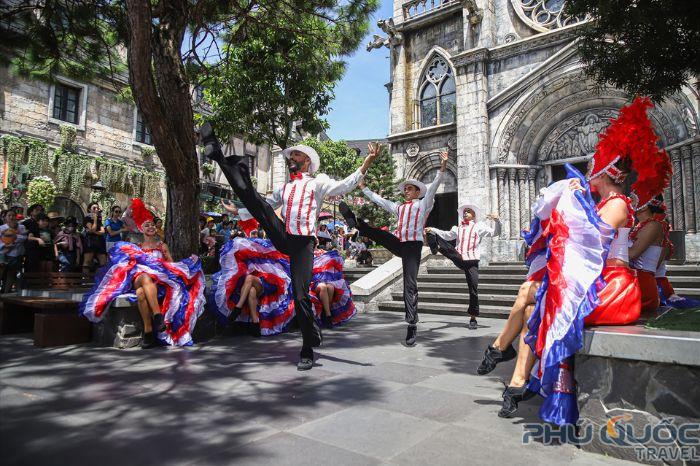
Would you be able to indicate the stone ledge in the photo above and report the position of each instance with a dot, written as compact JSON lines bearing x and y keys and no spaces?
{"x":637,"y":343}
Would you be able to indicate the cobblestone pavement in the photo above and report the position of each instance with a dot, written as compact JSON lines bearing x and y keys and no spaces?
{"x":239,"y":400}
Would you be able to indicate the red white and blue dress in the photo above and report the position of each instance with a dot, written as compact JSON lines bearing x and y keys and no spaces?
{"x":569,"y":247}
{"x":240,"y":257}
{"x":328,"y":269}
{"x":180,"y":288}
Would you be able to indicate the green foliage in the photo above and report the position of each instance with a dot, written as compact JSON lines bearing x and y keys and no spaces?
{"x":68,"y":135}
{"x":280,"y":70}
{"x":380,"y":179}
{"x":74,"y":38}
{"x":645,"y":47}
{"x":208,"y":168}
{"x":105,"y":199}
{"x":338,"y":160}
{"x":41,"y":190}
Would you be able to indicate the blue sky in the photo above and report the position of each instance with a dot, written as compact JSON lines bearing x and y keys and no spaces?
{"x":361,"y":106}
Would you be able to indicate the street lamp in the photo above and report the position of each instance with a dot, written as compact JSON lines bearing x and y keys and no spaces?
{"x":99,"y":187}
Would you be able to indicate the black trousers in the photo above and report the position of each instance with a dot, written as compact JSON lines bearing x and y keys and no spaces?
{"x":470,"y":268}
{"x":409,"y":252}
{"x":300,"y":249}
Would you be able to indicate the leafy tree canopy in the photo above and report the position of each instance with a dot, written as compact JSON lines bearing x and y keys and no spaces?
{"x":647,"y":47}
{"x":338,"y":160}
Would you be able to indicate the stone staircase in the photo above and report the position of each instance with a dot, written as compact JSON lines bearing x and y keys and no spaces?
{"x":353,"y":273}
{"x":443,"y":289}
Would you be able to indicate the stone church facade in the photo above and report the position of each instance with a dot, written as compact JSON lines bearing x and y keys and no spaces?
{"x":500,"y":84}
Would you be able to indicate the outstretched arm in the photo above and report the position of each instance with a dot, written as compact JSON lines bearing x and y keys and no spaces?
{"x":446,"y":235}
{"x":389,"y":206}
{"x":338,"y":188}
{"x":491,"y":227}
{"x":429,"y":198}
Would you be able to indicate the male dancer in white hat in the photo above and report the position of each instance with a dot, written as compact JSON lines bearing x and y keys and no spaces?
{"x":465,"y":254}
{"x":407,"y":240}
{"x":301,"y":200}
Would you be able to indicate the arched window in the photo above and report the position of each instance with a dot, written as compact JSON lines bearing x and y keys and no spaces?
{"x":437,"y":94}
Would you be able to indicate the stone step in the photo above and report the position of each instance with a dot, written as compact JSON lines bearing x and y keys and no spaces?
{"x":500,"y":312}
{"x":458,"y":298}
{"x":488,"y":270}
{"x":510,"y":289}
{"x":456,"y":278}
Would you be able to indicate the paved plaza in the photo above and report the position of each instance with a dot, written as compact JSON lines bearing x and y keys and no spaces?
{"x":239,"y":400}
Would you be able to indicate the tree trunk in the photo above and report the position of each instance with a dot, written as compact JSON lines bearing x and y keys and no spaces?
{"x":162,"y":93}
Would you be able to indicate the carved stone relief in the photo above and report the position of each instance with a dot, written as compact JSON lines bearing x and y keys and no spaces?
{"x":576,"y":136}
{"x":412,"y":150}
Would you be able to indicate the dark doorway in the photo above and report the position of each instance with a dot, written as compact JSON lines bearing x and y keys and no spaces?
{"x":444,"y":213}
{"x":559,"y":172}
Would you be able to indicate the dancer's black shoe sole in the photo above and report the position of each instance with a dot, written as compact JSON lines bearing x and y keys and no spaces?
{"x":347,"y":214}
{"x":511,"y":397}
{"x":158,"y":323}
{"x":149,"y":341}
{"x":212,"y":147}
{"x":235,"y":312}
{"x":492,"y":356}
{"x":473,"y":325}
{"x":305,"y":364}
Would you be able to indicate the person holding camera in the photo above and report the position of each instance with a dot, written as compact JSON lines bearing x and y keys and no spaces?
{"x":94,"y":246}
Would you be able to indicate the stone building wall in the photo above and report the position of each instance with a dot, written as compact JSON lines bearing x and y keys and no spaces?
{"x":107,"y":131}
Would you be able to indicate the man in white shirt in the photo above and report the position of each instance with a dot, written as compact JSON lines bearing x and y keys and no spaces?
{"x":465,"y":254}
{"x":407,"y":241}
{"x":301,"y":200}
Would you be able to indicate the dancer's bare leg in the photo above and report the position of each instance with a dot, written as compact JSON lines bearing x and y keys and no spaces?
{"x":150,"y":289}
{"x":323,"y":291}
{"x":526,"y":358}
{"x":514,"y":324}
{"x":253,"y":294}
{"x":248,"y":283}
{"x":144,"y":310}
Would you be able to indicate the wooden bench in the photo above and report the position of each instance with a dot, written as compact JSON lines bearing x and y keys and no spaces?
{"x":54,"y":320}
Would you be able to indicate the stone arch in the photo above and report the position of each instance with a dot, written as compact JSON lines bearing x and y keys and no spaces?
{"x":563,"y":117}
{"x":66,"y":206}
{"x":425,"y":168}
{"x":435,"y":50}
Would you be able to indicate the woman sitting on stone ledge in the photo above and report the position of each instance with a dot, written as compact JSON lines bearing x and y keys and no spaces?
{"x":330,"y":294}
{"x":582,"y":249}
{"x":253,"y":286}
{"x":170,"y":295}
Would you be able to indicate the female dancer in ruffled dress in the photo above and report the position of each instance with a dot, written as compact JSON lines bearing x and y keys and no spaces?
{"x":330,"y":294}
{"x":254,"y":286}
{"x":169,"y":295}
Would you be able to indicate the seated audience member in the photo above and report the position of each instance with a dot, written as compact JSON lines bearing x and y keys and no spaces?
{"x":68,"y":246}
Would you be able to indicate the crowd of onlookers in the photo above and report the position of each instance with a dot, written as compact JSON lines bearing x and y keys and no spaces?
{"x":41,"y":241}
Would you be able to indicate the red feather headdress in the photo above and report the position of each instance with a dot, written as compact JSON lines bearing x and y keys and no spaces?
{"x":139,"y":213}
{"x":632,"y":136}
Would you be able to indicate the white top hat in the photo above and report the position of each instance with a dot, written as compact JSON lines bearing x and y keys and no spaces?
{"x":421,"y":186}
{"x":463,"y":207}
{"x":304,"y":149}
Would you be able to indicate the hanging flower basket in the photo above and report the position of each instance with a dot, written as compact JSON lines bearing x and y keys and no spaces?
{"x":41,"y":190}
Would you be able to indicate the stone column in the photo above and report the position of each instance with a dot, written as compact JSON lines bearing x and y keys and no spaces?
{"x":472,"y":123}
{"x":688,"y":194}
{"x":695,"y":158}
{"x":503,"y":202}
{"x":532,"y":184}
{"x":677,"y":186}
{"x":524,"y":194}
{"x":668,"y":200}
{"x":513,"y":203}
